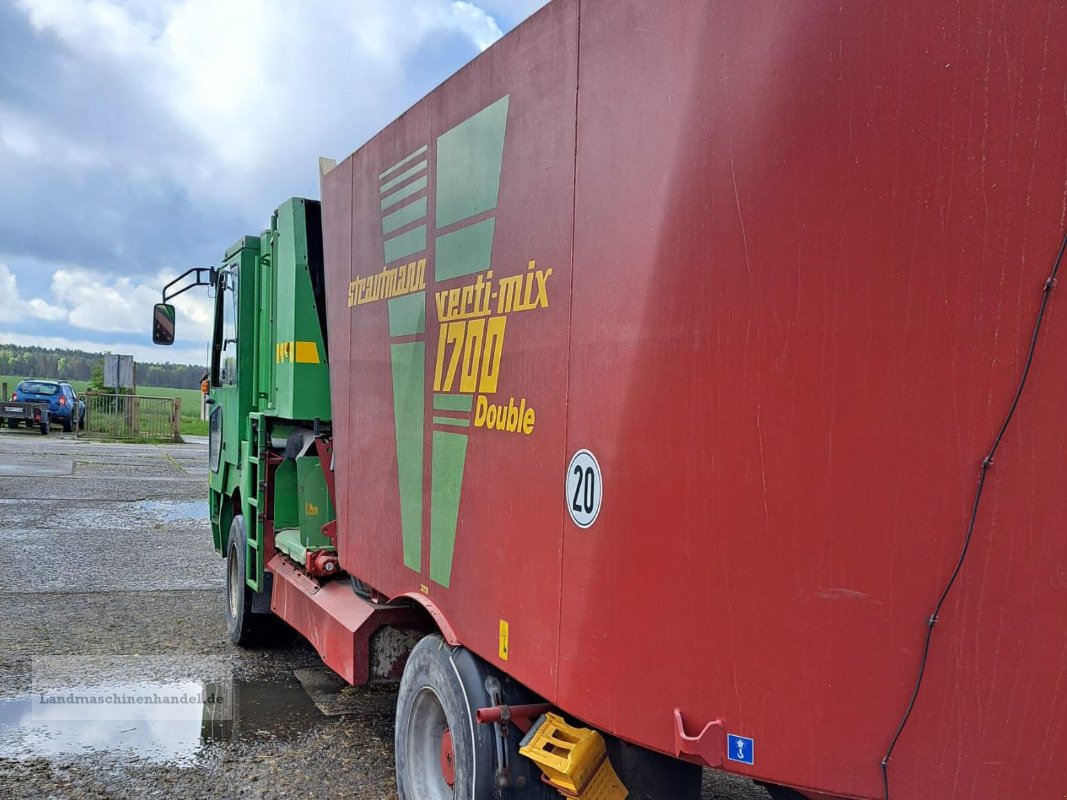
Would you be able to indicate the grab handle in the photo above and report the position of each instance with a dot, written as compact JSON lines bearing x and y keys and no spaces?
{"x":707,"y":746}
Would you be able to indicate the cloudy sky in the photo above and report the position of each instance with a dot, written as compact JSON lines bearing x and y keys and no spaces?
{"x":141,"y":137}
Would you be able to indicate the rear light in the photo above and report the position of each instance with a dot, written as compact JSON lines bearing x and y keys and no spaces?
{"x":62,"y":401}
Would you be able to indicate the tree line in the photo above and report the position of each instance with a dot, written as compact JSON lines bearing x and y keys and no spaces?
{"x":79,"y":365}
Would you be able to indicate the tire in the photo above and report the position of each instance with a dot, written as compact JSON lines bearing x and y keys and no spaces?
{"x":432,"y":704}
{"x":237,"y":604}
{"x":68,"y":425}
{"x":440,"y":691}
{"x":44,"y":429}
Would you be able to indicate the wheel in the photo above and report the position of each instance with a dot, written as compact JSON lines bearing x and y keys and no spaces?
{"x":68,"y":425}
{"x":240,"y":622}
{"x":441,"y":753}
{"x":435,"y":730}
{"x":44,"y":429}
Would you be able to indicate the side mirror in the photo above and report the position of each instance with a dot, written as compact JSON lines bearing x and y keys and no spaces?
{"x":163,"y":324}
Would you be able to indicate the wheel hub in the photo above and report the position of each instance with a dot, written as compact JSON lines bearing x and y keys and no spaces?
{"x":448,"y":758}
{"x":234,"y":588}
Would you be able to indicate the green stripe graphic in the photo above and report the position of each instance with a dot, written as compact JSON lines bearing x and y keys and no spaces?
{"x":465,"y":251}
{"x":407,"y":191}
{"x":449,"y":455}
{"x":402,"y":216}
{"x":453,"y":402}
{"x":458,"y":422}
{"x":409,"y":369}
{"x":469,"y":160}
{"x":405,"y":244}
{"x":403,"y":176}
{"x":407,"y":315}
{"x":403,"y":161}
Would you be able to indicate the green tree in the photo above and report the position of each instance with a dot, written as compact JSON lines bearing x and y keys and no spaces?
{"x":96,"y":376}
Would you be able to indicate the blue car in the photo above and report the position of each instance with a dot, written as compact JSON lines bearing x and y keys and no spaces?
{"x":63,"y":403}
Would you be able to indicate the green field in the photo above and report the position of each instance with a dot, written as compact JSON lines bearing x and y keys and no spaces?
{"x":192,"y":425}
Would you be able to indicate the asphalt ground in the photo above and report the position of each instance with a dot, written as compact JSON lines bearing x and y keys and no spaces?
{"x":110,"y":588}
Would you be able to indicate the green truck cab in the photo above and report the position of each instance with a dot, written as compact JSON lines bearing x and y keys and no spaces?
{"x":268,"y":404}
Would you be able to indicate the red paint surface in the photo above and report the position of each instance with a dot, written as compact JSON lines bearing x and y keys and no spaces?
{"x":448,"y":758}
{"x":337,"y":622}
{"x":808,"y":245}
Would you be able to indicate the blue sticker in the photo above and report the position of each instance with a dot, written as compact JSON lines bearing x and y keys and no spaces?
{"x":741,"y":748}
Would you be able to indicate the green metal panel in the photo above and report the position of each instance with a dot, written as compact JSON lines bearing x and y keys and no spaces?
{"x":288,"y":541}
{"x":315,"y":506}
{"x":286,"y":495}
{"x":301,"y":374}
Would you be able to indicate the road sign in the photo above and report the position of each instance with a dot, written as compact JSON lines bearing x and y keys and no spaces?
{"x":118,"y":371}
{"x":741,"y":748}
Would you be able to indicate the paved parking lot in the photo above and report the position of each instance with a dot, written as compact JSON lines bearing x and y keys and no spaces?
{"x":109,"y":586}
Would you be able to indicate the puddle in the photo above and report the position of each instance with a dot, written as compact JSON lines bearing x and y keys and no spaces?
{"x":31,"y":467}
{"x":172,"y":722}
{"x":173,"y":510}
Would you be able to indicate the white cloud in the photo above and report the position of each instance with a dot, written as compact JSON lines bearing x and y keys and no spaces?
{"x":95,"y":301}
{"x":13,"y":308}
{"x":100,"y":302}
{"x":162,"y":124}
{"x":256,"y":89}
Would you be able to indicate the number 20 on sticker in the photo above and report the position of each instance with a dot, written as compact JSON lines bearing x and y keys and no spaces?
{"x":584,"y":488}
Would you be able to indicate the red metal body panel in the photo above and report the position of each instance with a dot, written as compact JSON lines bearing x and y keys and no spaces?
{"x":338,"y":623}
{"x":503,"y":492}
{"x":808,"y":244}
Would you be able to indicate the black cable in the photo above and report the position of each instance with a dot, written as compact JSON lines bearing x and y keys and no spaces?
{"x":987,"y":462}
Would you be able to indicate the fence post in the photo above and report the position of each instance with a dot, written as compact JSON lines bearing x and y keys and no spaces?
{"x":176,"y":420}
{"x":3,"y":391}
{"x":88,"y":398}
{"x":136,"y":413}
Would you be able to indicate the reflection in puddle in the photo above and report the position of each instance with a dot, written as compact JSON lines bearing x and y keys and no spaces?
{"x":171,"y":510}
{"x":163,"y":722}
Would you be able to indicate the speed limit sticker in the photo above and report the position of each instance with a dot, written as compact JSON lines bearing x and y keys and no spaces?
{"x":584,"y":489}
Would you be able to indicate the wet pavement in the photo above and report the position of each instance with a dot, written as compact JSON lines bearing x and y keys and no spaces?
{"x":117,"y":679}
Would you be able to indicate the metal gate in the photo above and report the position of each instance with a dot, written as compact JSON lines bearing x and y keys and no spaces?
{"x":129,"y":416}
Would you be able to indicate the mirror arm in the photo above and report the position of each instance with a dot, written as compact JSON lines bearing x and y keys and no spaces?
{"x":204,"y":276}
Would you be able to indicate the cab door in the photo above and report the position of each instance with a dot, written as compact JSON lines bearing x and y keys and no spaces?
{"x":223,"y":421}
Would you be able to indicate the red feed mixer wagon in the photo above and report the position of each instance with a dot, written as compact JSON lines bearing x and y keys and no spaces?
{"x":780,"y":266}
{"x":698,"y":367}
